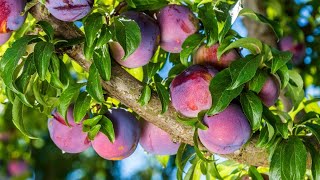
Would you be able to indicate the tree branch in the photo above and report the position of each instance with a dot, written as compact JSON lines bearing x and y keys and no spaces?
{"x":127,"y":89}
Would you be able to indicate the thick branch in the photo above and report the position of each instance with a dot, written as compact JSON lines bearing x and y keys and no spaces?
{"x":127,"y":89}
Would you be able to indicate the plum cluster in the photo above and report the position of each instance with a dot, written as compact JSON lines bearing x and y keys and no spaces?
{"x":70,"y":137}
{"x":10,"y":18}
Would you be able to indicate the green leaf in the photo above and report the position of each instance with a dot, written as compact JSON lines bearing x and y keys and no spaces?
{"x":221,"y":96}
{"x":252,"y":107}
{"x":92,"y":25}
{"x":94,"y":87}
{"x":102,"y":60}
{"x":105,"y":36}
{"x":127,"y":34}
{"x":196,"y":147}
{"x":42,"y":55}
{"x":257,"y":82}
{"x":187,"y":121}
{"x":254,"y":174}
{"x":92,"y":121}
{"x":315,"y":166}
{"x":81,"y":107}
{"x":94,"y":131}
{"x":276,"y":122}
{"x":267,"y":134}
{"x":178,"y":160}
{"x":314,"y":129}
{"x":47,"y":28}
{"x":17,"y":118}
{"x":150,"y":71}
{"x":145,"y":95}
{"x":107,"y":128}
{"x":293,"y":160}
{"x":150,"y":5}
{"x":36,"y":88}
{"x":284,"y":76}
{"x":280,"y":59}
{"x":252,"y":44}
{"x":260,"y":18}
{"x":213,"y":170}
{"x":210,"y":23}
{"x":188,"y":46}
{"x":28,"y":70}
{"x":243,"y":70}
{"x":226,"y":27}
{"x":66,"y":98}
{"x":164,"y":97}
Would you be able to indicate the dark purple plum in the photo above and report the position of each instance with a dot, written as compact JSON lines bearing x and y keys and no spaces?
{"x":156,"y":141}
{"x":227,"y":131}
{"x":69,"y":139}
{"x":177,"y":23}
{"x":270,"y":91}
{"x":127,"y":133}
{"x":4,"y":37}
{"x":298,"y":49}
{"x":150,"y":33}
{"x":69,"y":10}
{"x":190,"y":90}
{"x":10,"y":18}
{"x":208,"y":55}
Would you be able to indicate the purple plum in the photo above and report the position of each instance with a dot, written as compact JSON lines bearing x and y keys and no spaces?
{"x":69,"y":10}
{"x":270,"y":91}
{"x":150,"y":33}
{"x":190,"y":90}
{"x":156,"y":141}
{"x":298,"y":49}
{"x":17,"y":167}
{"x":208,"y":55}
{"x":127,"y":133}
{"x":227,"y":131}
{"x":4,"y":37}
{"x":177,"y":23}
{"x":10,"y":18}
{"x":69,"y":139}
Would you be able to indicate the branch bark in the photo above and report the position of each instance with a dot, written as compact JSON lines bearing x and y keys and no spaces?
{"x":127,"y":89}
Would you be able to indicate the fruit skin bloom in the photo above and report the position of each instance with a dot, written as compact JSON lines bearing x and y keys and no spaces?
{"x":227,"y":131}
{"x":70,"y":139}
{"x":10,"y":18}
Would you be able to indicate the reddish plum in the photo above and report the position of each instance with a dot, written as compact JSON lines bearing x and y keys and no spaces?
{"x":270,"y":91}
{"x":10,"y":18}
{"x":297,"y":49}
{"x":17,"y":167}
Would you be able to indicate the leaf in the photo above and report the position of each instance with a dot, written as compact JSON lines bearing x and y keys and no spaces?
{"x":275,"y":121}
{"x":17,"y":118}
{"x":105,"y":36}
{"x":266,"y":136}
{"x":145,"y":95}
{"x":257,"y":82}
{"x":252,"y":107}
{"x":102,"y":60}
{"x":92,"y":25}
{"x":196,"y":147}
{"x":315,"y":166}
{"x":47,"y":28}
{"x":150,"y":5}
{"x":284,"y":76}
{"x":221,"y":96}
{"x":92,"y":121}
{"x":94,"y":131}
{"x":28,"y":70}
{"x":94,"y":87}
{"x":243,"y":70}
{"x":289,"y":160}
{"x":178,"y":160}
{"x":254,"y":174}
{"x":66,"y":98}
{"x":280,"y":59}
{"x":164,"y":96}
{"x":127,"y":34}
{"x":42,"y":55}
{"x":260,"y":18}
{"x":252,"y":44}
{"x":226,"y":27}
{"x":107,"y":128}
{"x":81,"y":107}
{"x":210,"y":23}
{"x":188,"y":46}
{"x":314,"y":129}
{"x":36,"y":87}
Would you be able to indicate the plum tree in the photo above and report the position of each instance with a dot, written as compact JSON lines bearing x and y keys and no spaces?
{"x":127,"y":133}
{"x":298,"y":49}
{"x":156,"y":141}
{"x":208,"y":55}
{"x":10,"y":18}
{"x":67,"y":10}
{"x":4,"y":37}
{"x":176,"y":24}
{"x":190,"y":90}
{"x":227,"y":131}
{"x":150,"y":33}
{"x":69,"y":138}
{"x":270,"y":91}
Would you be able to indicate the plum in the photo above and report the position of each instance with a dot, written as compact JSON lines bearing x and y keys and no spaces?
{"x":4,"y":37}
{"x":10,"y":18}
{"x":156,"y":141}
{"x":227,"y":131}
{"x":208,"y":55}
{"x":150,"y":33}
{"x":17,"y":167}
{"x":190,"y":90}
{"x":176,"y":24}
{"x":70,"y":139}
{"x":270,"y":91}
{"x":298,"y":49}
{"x":127,"y":133}
{"x":69,"y":10}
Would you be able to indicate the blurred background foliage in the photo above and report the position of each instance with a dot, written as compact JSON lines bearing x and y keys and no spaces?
{"x":22,"y":158}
